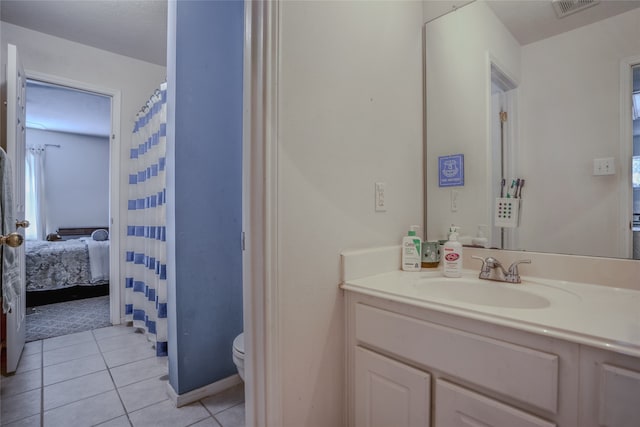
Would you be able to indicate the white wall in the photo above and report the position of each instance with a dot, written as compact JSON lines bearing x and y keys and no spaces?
{"x":563,"y":130}
{"x":61,"y":58}
{"x":458,"y":79}
{"x":350,"y":114}
{"x":77,"y":179}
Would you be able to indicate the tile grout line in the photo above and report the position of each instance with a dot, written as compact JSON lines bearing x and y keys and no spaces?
{"x":124,"y":408}
{"x":41,"y":383}
{"x":210,"y":416}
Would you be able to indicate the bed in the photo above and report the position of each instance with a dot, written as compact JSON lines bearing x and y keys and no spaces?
{"x":74,"y":261}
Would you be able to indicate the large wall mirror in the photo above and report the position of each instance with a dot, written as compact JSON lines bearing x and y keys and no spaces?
{"x":522,"y":93}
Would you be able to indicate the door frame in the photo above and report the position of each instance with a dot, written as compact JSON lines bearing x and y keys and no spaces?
{"x":260,"y":276}
{"x":115,"y":302}
{"x":626,"y":151}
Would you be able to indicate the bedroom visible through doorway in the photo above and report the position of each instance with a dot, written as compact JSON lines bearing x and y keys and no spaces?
{"x":67,"y":170}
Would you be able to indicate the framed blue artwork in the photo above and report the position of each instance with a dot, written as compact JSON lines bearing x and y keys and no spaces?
{"x":451,"y":170}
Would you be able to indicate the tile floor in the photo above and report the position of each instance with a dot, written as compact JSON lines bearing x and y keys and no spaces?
{"x":107,"y":377}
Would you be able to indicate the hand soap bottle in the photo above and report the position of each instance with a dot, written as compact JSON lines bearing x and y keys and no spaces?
{"x":452,"y":256}
{"x":411,"y":250}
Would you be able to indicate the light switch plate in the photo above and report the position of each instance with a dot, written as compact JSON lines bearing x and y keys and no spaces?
{"x":454,"y":200}
{"x":380,"y":197}
{"x":604,"y":166}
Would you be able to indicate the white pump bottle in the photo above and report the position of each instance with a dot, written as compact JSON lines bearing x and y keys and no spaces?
{"x":452,"y":256}
{"x":412,"y":250}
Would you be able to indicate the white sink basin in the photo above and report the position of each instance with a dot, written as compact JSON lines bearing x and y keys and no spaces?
{"x":483,"y":292}
{"x":471,"y":290}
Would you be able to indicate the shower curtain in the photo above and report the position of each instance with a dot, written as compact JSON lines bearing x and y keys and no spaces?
{"x":146,"y":253}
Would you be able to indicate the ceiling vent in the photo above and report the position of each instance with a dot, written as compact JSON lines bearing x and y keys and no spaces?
{"x":567,"y":7}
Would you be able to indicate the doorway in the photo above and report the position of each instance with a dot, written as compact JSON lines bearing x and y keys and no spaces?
{"x":67,"y":205}
{"x":72,"y":140}
{"x":503,"y":154}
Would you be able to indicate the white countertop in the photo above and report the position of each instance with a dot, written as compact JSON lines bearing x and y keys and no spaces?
{"x":599,"y":316}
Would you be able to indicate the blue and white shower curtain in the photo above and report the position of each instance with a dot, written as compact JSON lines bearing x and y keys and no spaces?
{"x":146,"y":250}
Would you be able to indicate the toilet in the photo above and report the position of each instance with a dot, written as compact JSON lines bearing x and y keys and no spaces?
{"x":238,"y":354}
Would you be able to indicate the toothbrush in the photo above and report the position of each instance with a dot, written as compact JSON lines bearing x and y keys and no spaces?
{"x":502,"y":187}
{"x":513,"y":183}
{"x":521,"y":185}
{"x":515,"y":193}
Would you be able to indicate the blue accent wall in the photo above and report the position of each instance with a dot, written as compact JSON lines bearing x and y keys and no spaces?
{"x":204,"y":189}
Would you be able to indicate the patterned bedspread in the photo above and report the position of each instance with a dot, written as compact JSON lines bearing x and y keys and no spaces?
{"x":58,"y":265}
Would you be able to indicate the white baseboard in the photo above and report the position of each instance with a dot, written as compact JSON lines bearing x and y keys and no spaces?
{"x":202,"y":392}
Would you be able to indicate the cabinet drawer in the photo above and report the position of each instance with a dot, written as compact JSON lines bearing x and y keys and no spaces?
{"x":459,"y":407}
{"x":521,"y":373}
{"x":619,"y":397}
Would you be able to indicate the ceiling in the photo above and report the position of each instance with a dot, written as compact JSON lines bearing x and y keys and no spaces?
{"x":60,"y":109}
{"x":533,"y":20}
{"x":133,"y":28}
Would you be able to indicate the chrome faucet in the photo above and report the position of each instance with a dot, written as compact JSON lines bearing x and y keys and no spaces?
{"x":492,"y":269}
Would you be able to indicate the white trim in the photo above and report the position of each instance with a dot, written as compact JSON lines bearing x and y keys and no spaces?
{"x":202,"y":392}
{"x":509,"y":90}
{"x":114,"y":180}
{"x":626,"y":151}
{"x":263,"y":390}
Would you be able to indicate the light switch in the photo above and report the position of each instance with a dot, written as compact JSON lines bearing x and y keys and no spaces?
{"x":379,"y":197}
{"x":454,"y":200}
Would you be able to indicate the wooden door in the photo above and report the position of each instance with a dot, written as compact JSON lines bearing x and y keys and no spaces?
{"x":16,"y":145}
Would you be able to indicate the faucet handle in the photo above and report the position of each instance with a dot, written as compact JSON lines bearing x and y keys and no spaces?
{"x":513,"y":268}
{"x":485,"y":270}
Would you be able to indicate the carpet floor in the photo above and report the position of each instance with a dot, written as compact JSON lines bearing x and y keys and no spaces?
{"x":63,"y":318}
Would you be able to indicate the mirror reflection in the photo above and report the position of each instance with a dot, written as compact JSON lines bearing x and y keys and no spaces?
{"x":522,"y":92}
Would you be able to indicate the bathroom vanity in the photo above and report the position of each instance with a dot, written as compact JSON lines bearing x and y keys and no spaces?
{"x":424,"y":350}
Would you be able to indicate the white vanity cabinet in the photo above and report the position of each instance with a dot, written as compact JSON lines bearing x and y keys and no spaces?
{"x":413,"y":366}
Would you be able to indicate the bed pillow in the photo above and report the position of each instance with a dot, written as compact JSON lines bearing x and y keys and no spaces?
{"x":100,"y":234}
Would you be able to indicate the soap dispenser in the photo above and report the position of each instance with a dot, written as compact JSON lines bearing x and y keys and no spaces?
{"x":452,"y":256}
{"x":411,"y":250}
{"x":481,"y":237}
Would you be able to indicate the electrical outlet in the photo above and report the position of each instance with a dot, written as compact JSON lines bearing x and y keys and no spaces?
{"x":454,"y":200}
{"x":379,"y":197}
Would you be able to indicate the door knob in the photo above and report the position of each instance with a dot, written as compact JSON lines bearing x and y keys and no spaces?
{"x":24,"y":224}
{"x":12,"y":239}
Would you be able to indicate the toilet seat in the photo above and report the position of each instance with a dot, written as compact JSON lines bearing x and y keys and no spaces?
{"x":238,"y":345}
{"x":238,"y":354}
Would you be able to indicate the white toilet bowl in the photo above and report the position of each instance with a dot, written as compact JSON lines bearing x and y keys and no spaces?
{"x":238,"y":354}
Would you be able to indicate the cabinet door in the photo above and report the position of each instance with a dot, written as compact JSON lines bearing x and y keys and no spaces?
{"x":459,"y":407}
{"x":389,"y":393}
{"x":619,"y":397}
